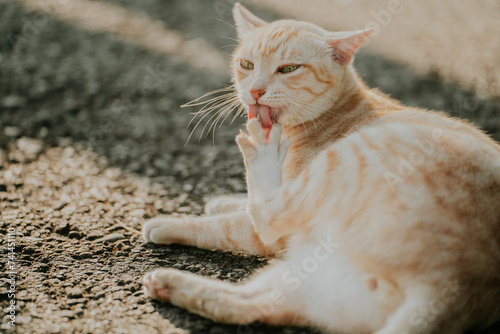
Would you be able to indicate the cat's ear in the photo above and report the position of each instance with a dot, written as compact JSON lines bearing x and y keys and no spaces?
{"x":345,"y":44}
{"x":245,"y":21}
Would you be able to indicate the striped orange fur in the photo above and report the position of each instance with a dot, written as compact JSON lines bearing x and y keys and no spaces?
{"x":386,"y":218}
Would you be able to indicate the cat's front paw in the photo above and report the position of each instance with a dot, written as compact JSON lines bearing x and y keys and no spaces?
{"x":247,"y":147}
{"x":159,"y":230}
{"x":264,"y":160}
{"x":258,"y":147}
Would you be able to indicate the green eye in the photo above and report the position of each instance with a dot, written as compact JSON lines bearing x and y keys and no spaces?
{"x":246,"y":64}
{"x":288,"y":68}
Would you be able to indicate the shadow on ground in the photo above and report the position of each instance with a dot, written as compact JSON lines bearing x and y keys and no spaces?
{"x":84,"y":148}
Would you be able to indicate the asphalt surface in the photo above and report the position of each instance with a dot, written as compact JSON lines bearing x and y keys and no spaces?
{"x":85,"y":150}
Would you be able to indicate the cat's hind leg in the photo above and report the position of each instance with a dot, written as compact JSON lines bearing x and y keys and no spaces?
{"x":226,"y":204}
{"x":262,"y":299}
{"x":231,"y":231}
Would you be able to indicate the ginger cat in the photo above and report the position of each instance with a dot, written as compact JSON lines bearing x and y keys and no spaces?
{"x":386,"y":217}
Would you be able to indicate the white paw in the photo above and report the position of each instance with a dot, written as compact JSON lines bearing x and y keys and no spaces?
{"x":156,"y":230}
{"x":256,"y":147}
{"x":157,"y":284}
{"x":264,"y":161}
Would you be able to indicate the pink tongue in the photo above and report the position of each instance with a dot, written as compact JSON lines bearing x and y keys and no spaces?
{"x":264,"y":112}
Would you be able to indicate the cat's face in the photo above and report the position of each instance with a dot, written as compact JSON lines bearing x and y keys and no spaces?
{"x":289,"y":66}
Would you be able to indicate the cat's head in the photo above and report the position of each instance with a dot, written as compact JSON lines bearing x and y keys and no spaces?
{"x":289,"y":71}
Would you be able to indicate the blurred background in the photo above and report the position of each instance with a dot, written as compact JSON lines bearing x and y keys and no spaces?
{"x":92,"y":136}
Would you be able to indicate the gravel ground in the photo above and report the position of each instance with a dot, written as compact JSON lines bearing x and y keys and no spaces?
{"x":77,"y":177}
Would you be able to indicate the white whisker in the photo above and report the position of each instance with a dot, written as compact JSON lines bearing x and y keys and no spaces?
{"x":217,"y":106}
{"x":296,"y":114}
{"x":238,"y":112}
{"x":231,"y":38}
{"x":210,"y":109}
{"x":229,"y":24}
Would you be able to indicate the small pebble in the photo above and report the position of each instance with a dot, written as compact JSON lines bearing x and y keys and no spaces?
{"x":74,"y":292}
{"x":30,"y":145}
{"x":111,"y":238}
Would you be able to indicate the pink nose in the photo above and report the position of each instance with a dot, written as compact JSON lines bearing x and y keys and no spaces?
{"x":257,"y":93}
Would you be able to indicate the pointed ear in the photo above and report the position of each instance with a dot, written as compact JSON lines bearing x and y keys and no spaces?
{"x":345,"y":44}
{"x":245,"y":21}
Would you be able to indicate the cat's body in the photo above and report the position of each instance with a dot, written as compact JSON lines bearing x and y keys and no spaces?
{"x":387,"y":217}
